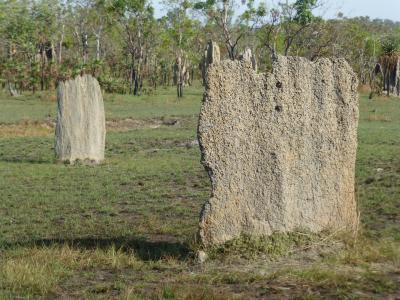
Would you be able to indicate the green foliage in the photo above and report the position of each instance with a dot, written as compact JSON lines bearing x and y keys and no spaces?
{"x":304,"y":9}
{"x":130,"y":7}
{"x":390,"y":44}
{"x":204,"y":5}
{"x":252,"y":13}
{"x":46,"y":40}
{"x":112,"y":85}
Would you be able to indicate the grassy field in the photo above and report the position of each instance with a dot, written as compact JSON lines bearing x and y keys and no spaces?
{"x":127,"y":229}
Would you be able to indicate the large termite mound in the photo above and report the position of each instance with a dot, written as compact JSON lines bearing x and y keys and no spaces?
{"x":280,"y":148}
{"x":80,"y":128}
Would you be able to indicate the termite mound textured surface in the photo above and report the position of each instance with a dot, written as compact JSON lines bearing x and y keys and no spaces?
{"x":280,"y":148}
{"x":80,"y":129}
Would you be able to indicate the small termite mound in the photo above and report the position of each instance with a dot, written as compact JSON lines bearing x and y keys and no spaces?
{"x":80,"y":128}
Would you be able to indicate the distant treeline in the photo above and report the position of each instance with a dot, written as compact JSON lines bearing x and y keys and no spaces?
{"x":130,"y":51}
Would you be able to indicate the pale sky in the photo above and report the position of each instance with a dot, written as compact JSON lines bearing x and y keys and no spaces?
{"x":383,"y":9}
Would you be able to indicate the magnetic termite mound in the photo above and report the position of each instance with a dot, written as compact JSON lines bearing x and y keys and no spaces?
{"x":80,"y":129}
{"x":280,"y":148}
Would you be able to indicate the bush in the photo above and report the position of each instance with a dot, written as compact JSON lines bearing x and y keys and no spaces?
{"x":112,"y":85}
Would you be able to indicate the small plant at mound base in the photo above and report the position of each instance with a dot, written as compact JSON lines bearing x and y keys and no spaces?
{"x":273,"y":247}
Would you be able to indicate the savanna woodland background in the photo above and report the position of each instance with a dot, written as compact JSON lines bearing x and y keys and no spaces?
{"x":126,"y":229}
{"x":130,"y":51}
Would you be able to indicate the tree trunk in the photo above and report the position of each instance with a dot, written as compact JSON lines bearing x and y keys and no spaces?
{"x":388,"y":82}
{"x":85,"y":47}
{"x":137,"y":80}
{"x":131,"y":79}
{"x":12,"y":89}
{"x":42,"y":66}
{"x":60,"y":45}
{"x":98,"y":38}
{"x":97,"y":48}
{"x":136,"y":85}
{"x":179,"y":74}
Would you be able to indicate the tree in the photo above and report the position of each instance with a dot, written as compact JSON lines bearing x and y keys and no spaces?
{"x":17,"y":28}
{"x":221,"y":13}
{"x":181,"y":32}
{"x":44,"y":17}
{"x":136,"y":17}
{"x":286,"y":22}
{"x":389,"y":63}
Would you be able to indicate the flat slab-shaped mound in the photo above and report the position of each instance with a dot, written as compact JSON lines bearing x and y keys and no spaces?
{"x":80,"y":128}
{"x":280,"y":148}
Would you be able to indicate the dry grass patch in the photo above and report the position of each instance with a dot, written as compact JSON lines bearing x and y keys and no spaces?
{"x":378,"y":118}
{"x":367,"y":251}
{"x":362,"y":266}
{"x":343,"y":280}
{"x":26,"y":129}
{"x":39,"y":271}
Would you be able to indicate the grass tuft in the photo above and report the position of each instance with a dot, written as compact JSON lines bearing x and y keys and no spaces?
{"x":273,"y":246}
{"x":38,"y":270}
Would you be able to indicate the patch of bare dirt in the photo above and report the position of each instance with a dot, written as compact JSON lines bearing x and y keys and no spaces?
{"x":132,"y":124}
{"x":28,"y":128}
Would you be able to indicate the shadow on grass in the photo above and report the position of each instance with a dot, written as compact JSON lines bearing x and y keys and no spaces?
{"x":143,"y":248}
{"x":26,"y":160}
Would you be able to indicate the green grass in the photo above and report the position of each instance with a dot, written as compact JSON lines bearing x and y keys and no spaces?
{"x":164,"y":103}
{"x":126,"y":229}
